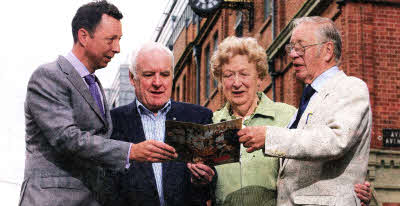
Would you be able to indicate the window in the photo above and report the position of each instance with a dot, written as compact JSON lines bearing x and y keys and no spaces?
{"x":239,"y":24}
{"x":207,"y":63}
{"x":177,"y":93}
{"x":215,"y":82}
{"x":184,"y":88}
{"x":267,"y":8}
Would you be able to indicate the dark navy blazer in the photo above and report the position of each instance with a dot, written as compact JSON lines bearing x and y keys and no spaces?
{"x":138,"y":186}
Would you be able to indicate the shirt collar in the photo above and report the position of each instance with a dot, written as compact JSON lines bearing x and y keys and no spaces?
{"x":143,"y":110}
{"x":264,"y":108}
{"x":77,"y":64}
{"x":323,"y":78}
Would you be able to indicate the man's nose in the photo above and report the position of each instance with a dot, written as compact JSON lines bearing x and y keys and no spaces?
{"x":156,"y":80}
{"x":116,"y":47}
{"x":293,"y":54}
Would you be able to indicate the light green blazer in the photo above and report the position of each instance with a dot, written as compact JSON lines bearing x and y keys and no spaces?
{"x":253,"y":180}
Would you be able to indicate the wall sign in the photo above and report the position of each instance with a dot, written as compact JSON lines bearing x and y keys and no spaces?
{"x":391,"y":137}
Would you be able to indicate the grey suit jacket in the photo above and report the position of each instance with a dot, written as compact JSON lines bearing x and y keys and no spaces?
{"x":328,"y":152}
{"x":67,"y":139}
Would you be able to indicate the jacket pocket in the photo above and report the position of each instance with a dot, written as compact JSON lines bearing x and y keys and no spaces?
{"x":315,"y":200}
{"x":60,"y":182}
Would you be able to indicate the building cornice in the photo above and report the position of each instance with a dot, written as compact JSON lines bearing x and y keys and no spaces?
{"x":379,"y":158}
{"x":381,"y":151}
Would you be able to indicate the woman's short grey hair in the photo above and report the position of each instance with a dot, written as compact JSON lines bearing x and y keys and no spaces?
{"x":232,"y":46}
{"x":328,"y":32}
{"x":148,"y":46}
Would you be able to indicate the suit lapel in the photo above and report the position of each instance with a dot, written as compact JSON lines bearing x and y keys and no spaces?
{"x":137,"y":136}
{"x":172,"y":113}
{"x":105,"y":104}
{"x":166,"y":166}
{"x":283,"y":162}
{"x":313,"y":105}
{"x":136,"y":130}
{"x":319,"y":97}
{"x":165,"y":175}
{"x":77,"y":82}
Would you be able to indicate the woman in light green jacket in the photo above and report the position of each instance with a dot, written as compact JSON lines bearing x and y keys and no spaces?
{"x":240,"y":66}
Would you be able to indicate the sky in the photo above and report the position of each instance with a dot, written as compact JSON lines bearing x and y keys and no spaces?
{"x":34,"y":33}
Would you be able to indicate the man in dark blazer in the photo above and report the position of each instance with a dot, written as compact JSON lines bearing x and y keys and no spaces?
{"x":68,"y":123}
{"x":169,"y":183}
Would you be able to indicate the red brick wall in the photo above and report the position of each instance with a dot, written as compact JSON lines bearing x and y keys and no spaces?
{"x":286,"y":9}
{"x":371,"y":51}
{"x":181,"y":42}
{"x":391,"y":204}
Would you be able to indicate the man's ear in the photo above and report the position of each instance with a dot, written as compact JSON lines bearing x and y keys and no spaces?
{"x":132,"y":79}
{"x":83,"y":37}
{"x":329,"y":49}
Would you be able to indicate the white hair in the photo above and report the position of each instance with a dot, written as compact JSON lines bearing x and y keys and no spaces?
{"x":327,"y":32}
{"x":149,"y":46}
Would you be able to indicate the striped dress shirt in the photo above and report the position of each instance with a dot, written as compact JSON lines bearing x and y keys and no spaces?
{"x":154,"y":129}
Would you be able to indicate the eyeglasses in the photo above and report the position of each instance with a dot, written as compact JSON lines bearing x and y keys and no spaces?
{"x":298,"y":48}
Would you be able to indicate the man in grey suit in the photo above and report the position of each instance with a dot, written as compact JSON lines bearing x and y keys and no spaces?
{"x":326,"y":147}
{"x":68,"y":124}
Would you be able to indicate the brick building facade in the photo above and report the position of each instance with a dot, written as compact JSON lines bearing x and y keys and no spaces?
{"x":370,"y":31}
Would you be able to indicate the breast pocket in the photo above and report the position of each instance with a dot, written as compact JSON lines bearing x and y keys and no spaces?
{"x":61,"y":182}
{"x":315,"y":200}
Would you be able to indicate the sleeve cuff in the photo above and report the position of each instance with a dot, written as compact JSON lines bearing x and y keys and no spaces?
{"x":128,"y":164}
{"x":265,"y":141}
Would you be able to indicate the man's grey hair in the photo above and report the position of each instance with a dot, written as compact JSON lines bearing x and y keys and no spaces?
{"x":145,"y":47}
{"x":328,"y":32}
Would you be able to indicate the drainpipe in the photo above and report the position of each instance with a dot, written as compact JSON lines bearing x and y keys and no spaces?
{"x":273,"y":75}
{"x":273,"y":19}
{"x":271,"y":62}
{"x":197,"y":54}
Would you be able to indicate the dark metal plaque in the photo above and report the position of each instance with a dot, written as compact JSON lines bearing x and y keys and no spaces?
{"x":391,"y":137}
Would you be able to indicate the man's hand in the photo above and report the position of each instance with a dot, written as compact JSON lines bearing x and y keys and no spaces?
{"x":201,"y":174}
{"x":152,"y":151}
{"x":252,"y":138}
{"x":364,"y":192}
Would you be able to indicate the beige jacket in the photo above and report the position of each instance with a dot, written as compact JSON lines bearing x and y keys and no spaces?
{"x":328,"y":153}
